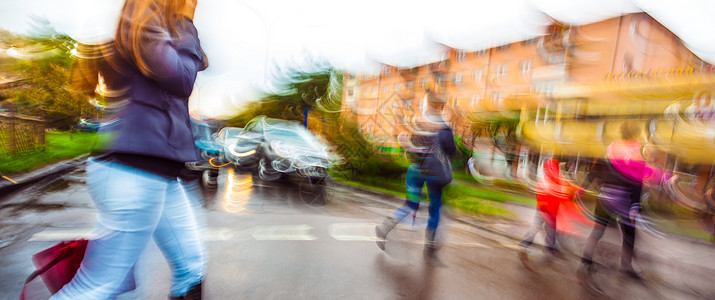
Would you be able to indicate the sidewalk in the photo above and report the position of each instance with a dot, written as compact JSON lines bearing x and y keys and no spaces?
{"x":26,"y":178}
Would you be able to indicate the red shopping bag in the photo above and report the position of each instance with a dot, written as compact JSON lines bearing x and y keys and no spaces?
{"x":56,"y":265}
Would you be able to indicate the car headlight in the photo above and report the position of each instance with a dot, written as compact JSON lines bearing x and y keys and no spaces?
{"x":282,"y":150}
{"x":235,"y":153}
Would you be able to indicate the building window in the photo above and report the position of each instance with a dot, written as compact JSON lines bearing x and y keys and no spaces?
{"x":423,"y":83}
{"x":397,"y":86}
{"x":477,"y":74}
{"x":454,"y":101}
{"x":501,"y":70}
{"x":498,"y":96}
{"x":546,"y":87}
{"x":386,"y":89}
{"x":481,"y":52}
{"x":504,"y":47}
{"x":556,"y":59}
{"x":475,"y":100}
{"x":525,"y":67}
{"x":411,"y":84}
{"x":458,"y":78}
{"x":374,"y":91}
{"x":350,"y":92}
{"x":461,"y":54}
{"x":530,"y":41}
{"x":627,"y":63}
{"x":387,"y":71}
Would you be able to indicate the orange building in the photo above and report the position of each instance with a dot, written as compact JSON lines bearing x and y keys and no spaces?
{"x":535,"y":73}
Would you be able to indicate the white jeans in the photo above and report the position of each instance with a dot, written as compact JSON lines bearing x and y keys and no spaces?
{"x":134,"y":206}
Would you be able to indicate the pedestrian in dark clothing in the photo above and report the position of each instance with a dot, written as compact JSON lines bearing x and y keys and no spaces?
{"x":431,"y":148}
{"x":148,"y":73}
{"x":621,"y":175}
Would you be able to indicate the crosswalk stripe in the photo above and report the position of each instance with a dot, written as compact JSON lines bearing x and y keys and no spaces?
{"x":300,"y":232}
{"x":283,"y":233}
{"x":352,"y":231}
{"x":60,"y":235}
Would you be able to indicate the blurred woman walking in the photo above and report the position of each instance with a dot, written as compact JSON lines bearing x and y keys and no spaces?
{"x":148,"y":73}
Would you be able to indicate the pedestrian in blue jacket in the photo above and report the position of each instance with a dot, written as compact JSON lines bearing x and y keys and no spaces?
{"x":148,"y":73}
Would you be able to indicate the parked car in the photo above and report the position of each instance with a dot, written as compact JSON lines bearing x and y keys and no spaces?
{"x":281,"y":148}
{"x":205,"y":140}
{"x":88,"y":125}
{"x":242,"y":149}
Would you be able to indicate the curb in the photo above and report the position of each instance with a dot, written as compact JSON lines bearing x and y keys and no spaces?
{"x":24,"y":179}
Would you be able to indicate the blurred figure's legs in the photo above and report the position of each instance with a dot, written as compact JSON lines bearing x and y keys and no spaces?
{"x":131,"y":205}
{"x":531,"y":234}
{"x":130,"y":202}
{"x":602,"y":220}
{"x":414,"y":182}
{"x":178,"y":238}
{"x":434,"y":191}
{"x":627,"y":247}
{"x":550,"y":228}
{"x":195,"y":193}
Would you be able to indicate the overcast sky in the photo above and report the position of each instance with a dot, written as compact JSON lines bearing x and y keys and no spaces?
{"x":242,"y":38}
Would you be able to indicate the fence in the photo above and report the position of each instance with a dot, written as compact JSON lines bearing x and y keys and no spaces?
{"x":20,"y":133}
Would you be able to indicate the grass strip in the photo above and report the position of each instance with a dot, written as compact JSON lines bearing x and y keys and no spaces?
{"x":455,"y":195}
{"x":58,"y":146}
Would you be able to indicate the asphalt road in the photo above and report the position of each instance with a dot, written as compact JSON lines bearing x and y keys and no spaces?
{"x":273,"y":240}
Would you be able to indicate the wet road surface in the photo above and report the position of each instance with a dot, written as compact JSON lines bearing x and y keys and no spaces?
{"x":281,"y":240}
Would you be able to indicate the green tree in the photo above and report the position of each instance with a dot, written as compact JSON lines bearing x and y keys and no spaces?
{"x":45,"y":65}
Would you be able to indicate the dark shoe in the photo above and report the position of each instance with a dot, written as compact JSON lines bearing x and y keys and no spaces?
{"x":431,"y":257}
{"x":584,"y":272}
{"x":585,"y":276}
{"x":194,"y":293}
{"x":632,"y":273}
{"x":383,"y":229}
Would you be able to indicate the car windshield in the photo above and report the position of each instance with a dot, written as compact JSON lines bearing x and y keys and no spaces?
{"x":229,"y":133}
{"x":286,"y":136}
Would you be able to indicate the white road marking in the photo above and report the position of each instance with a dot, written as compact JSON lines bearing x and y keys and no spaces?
{"x":300,"y":232}
{"x":283,"y":233}
{"x":469,"y":244}
{"x":353,"y":231}
{"x":223,"y":234}
{"x":60,"y":235}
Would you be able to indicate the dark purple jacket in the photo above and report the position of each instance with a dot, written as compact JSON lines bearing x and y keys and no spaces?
{"x":155,"y":120}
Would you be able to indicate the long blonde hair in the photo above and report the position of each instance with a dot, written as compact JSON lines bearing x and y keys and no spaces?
{"x":140,"y":18}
